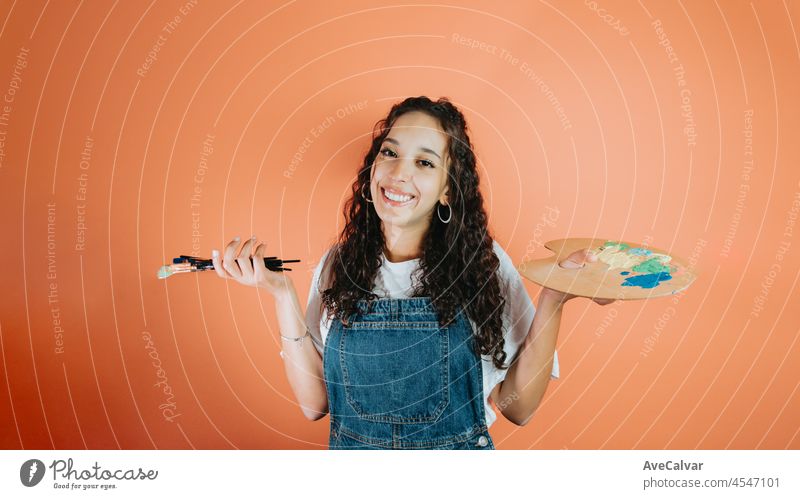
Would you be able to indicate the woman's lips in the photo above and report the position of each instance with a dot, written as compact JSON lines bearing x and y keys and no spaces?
{"x":395,"y":204}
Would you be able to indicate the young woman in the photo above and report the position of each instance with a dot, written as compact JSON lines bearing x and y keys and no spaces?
{"x":416,"y":317}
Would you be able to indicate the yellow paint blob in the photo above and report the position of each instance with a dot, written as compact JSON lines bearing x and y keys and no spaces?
{"x":616,"y":259}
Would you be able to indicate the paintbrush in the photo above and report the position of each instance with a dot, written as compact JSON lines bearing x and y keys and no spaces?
{"x":185,"y":263}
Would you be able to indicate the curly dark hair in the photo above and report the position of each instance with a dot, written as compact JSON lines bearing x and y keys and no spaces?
{"x":458,"y":265}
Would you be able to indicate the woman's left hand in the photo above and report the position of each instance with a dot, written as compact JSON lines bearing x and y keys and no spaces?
{"x":575,"y":260}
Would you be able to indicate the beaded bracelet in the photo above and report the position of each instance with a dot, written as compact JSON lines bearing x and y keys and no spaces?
{"x":300,"y":339}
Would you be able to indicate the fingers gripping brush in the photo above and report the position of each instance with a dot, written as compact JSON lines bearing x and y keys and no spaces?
{"x":186,"y":263}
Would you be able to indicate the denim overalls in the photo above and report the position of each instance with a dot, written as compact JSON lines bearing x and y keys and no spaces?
{"x":396,"y":380}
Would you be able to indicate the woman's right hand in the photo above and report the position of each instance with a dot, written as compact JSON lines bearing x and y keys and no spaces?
{"x":236,"y":264}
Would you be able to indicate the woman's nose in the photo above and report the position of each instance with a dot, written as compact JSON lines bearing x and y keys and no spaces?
{"x":402,"y":168}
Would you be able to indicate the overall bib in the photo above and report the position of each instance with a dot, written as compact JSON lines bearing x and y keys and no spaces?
{"x":396,"y":380}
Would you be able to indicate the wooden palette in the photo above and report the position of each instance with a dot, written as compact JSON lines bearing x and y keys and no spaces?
{"x":651,"y":272}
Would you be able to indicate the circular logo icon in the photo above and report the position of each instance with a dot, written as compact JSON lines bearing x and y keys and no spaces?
{"x":31,"y":472}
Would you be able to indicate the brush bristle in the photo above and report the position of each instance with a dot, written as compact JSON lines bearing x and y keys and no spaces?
{"x":164,"y":272}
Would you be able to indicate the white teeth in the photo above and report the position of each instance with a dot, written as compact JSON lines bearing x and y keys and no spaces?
{"x":395,"y":197}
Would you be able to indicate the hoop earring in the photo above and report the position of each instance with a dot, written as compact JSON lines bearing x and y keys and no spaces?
{"x":368,"y":200}
{"x":449,"y":216}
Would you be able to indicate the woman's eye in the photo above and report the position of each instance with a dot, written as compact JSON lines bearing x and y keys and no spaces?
{"x":424,"y":162}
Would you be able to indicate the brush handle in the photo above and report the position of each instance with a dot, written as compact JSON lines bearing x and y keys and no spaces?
{"x":271,"y":262}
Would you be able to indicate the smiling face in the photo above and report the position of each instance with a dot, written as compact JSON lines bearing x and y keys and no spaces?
{"x":411,"y":167}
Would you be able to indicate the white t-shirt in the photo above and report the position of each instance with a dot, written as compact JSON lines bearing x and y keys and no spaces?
{"x":394,"y":281}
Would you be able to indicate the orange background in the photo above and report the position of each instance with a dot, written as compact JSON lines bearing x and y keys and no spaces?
{"x":575,"y":109}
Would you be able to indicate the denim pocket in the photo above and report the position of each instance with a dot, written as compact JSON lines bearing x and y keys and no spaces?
{"x":396,"y":372}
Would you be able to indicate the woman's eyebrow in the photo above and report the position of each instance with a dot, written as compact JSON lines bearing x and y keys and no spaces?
{"x":425,"y":149}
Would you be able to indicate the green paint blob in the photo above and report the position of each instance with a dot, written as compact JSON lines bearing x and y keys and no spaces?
{"x":620,"y":246}
{"x":651,"y":266}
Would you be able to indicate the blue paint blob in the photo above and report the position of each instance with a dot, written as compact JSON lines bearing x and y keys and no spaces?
{"x":639,"y":251}
{"x":647,"y":280}
{"x":624,"y":273}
